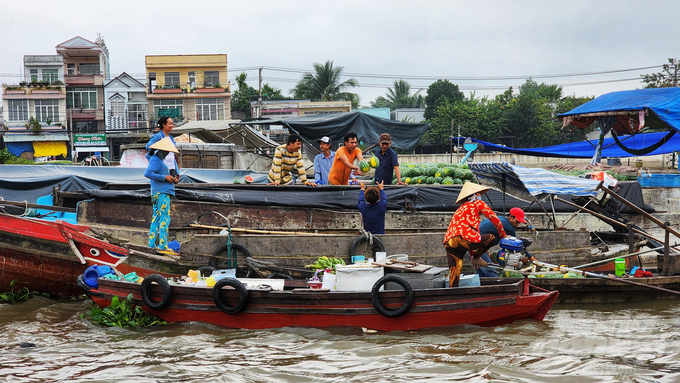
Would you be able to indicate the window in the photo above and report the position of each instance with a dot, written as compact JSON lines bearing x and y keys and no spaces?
{"x":192,"y":79}
{"x":209,"y":109}
{"x":211,"y":78}
{"x":50,"y":75}
{"x":34,"y":75}
{"x":86,"y":127}
{"x":81,"y":98}
{"x":71,"y":68}
{"x":47,"y":109}
{"x":168,"y":104}
{"x":18,"y":110}
{"x":137,"y":115}
{"x":171,"y":79}
{"x":89,"y":68}
{"x":117,"y":109}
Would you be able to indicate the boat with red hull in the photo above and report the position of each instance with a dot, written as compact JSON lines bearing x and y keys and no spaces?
{"x":229,"y":304}
{"x":35,"y":254}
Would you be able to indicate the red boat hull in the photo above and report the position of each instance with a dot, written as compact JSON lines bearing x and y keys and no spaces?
{"x":483,"y":306}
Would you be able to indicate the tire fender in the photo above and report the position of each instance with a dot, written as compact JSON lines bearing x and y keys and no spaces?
{"x":377,"y":245}
{"x":375,"y":295}
{"x":234,"y":246}
{"x":146,"y":292}
{"x":219,"y":301}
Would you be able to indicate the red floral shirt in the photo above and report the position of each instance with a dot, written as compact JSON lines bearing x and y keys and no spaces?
{"x":465,"y":221}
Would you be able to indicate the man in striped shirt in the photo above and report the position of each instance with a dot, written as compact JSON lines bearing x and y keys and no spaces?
{"x":287,"y":157}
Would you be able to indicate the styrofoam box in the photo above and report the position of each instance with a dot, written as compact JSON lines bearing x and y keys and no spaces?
{"x":360,"y":277}
{"x":434,"y":278}
{"x":469,"y":280}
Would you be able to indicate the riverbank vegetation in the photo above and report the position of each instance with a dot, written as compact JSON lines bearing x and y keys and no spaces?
{"x":122,"y":314}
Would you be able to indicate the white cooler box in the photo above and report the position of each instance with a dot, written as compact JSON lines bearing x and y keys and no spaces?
{"x":359,"y":277}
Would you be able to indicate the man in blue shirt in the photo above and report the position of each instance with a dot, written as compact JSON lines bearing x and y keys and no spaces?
{"x":323,"y":161}
{"x":515,"y":217}
{"x":388,"y":162}
{"x":372,"y":207}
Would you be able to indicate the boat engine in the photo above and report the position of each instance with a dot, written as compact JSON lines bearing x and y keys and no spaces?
{"x":512,"y":251}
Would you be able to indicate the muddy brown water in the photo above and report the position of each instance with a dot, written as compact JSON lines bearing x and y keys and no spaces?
{"x":614,"y":343}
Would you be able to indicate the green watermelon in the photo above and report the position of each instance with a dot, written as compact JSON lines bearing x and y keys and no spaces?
{"x":236,"y":181}
{"x":447,"y":181}
{"x":364,"y":166}
{"x":458,"y":173}
{"x":374,"y":162}
{"x":457,"y":181}
{"x":407,"y":180}
{"x":394,"y":181}
{"x":430,"y":180}
{"x":440,"y":173}
{"x":438,"y":180}
{"x":449,"y":171}
{"x":432,"y":171}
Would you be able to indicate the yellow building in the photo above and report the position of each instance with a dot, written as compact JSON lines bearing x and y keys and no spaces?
{"x":188,"y":87}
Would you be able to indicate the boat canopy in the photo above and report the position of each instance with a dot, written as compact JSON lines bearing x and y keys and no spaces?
{"x":225,"y":131}
{"x":529,"y":184}
{"x":368,"y":128}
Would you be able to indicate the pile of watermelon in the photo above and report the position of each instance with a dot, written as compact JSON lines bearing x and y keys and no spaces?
{"x":435,"y":174}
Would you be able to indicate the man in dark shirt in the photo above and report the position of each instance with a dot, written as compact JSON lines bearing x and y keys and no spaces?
{"x":388,"y":162}
{"x":510,"y":223}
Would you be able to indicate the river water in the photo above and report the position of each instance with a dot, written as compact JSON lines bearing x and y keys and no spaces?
{"x":610,"y":343}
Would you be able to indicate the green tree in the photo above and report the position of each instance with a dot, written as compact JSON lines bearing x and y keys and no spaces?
{"x":667,"y":78}
{"x":399,"y":97}
{"x":241,"y":98}
{"x":325,"y":85}
{"x":272,"y":93}
{"x":437,"y":93}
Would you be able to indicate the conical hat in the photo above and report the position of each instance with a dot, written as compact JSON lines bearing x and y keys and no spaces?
{"x":469,"y":189}
{"x":165,"y":144}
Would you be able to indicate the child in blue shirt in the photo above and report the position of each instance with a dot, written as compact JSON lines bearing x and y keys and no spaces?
{"x":372,"y":206}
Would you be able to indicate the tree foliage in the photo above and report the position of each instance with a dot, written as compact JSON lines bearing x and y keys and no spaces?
{"x":399,"y":97}
{"x":438,"y":93}
{"x":667,"y":78}
{"x":325,"y":85}
{"x":240,"y":99}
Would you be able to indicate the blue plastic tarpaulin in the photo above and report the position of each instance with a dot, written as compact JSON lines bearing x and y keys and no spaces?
{"x":16,"y":148}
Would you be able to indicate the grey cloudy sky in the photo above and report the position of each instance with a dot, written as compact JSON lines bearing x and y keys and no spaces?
{"x":392,"y":39}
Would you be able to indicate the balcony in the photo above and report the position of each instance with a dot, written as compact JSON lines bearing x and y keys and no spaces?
{"x":83,"y":79}
{"x":86,"y":114}
{"x":33,"y":91}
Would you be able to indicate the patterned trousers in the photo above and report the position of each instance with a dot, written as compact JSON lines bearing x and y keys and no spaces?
{"x":456,"y":248}
{"x":160,"y":221}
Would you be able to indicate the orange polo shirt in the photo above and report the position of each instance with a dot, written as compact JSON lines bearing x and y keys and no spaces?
{"x":465,"y":221}
{"x":339,"y":174}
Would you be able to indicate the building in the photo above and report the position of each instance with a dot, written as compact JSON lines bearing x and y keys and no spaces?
{"x":415,"y":115}
{"x":378,"y":112}
{"x":188,"y":87}
{"x":39,"y":98}
{"x":126,"y":117}
{"x":293,"y":108}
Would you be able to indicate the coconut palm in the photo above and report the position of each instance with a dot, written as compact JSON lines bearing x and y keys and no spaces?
{"x":325,"y":85}
{"x":400,"y":97}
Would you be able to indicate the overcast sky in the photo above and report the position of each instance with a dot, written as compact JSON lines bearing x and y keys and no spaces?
{"x":386,"y":40}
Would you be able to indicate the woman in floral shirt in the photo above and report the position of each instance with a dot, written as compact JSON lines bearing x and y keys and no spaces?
{"x":463,"y":233}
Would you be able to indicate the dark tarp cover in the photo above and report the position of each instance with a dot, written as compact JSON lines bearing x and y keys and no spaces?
{"x":586,"y":149}
{"x":368,"y":128}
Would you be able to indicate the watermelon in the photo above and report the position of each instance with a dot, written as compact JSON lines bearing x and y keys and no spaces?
{"x":430,"y":180}
{"x":407,"y":180}
{"x":440,"y":173}
{"x":364,"y":166}
{"x":449,"y":171}
{"x":457,"y":181}
{"x":374,"y":162}
{"x":394,"y":181}
{"x":447,"y":181}
{"x":438,"y":180}
{"x":432,"y":171}
{"x":467,"y":174}
{"x":236,"y":181}
{"x":248,"y":179}
{"x":458,"y":173}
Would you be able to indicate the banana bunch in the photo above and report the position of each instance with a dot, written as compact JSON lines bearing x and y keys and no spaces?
{"x":325,"y":263}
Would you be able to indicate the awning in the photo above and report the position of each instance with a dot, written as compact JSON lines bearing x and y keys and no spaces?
{"x":225,"y":131}
{"x":34,"y":137}
{"x":529,"y":183}
{"x":83,"y":149}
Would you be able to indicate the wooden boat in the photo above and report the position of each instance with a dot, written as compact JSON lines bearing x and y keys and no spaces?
{"x":35,"y":254}
{"x":230,"y":304}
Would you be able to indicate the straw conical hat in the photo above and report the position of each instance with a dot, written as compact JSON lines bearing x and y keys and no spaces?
{"x":469,"y":189}
{"x":165,"y":144}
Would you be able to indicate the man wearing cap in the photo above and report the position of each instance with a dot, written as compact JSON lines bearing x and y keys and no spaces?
{"x":162,"y":187}
{"x":514,"y":219}
{"x":324,"y":161}
{"x":287,"y":157}
{"x":463,"y":234}
{"x":388,"y":162}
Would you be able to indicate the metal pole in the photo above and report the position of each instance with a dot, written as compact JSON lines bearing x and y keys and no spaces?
{"x":259,"y":95}
{"x":451,"y":144}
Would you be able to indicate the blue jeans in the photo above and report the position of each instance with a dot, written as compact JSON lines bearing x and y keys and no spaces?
{"x":488,"y":272}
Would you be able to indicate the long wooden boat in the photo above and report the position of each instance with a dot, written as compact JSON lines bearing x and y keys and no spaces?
{"x":230,"y":304}
{"x":35,"y":254}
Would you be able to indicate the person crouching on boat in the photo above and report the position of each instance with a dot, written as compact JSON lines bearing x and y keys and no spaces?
{"x":463,"y":233}
{"x":162,"y":187}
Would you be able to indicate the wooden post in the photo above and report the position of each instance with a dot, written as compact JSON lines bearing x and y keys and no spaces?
{"x":666,"y":253}
{"x":631,"y":242}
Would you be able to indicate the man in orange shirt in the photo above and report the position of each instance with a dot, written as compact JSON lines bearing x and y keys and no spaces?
{"x":344,"y":161}
{"x":463,"y":234}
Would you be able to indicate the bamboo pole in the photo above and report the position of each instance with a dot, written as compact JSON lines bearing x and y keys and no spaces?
{"x":254,"y":231}
{"x":622,"y":256}
{"x":27,"y":205}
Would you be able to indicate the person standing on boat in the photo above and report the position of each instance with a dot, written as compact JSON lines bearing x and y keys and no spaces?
{"x":463,"y":233}
{"x":286,"y":158}
{"x":324,"y":161}
{"x":162,"y":187}
{"x":512,"y":222}
{"x":344,"y":161}
{"x":388,"y":162}
{"x":165,"y":124}
{"x":372,"y":206}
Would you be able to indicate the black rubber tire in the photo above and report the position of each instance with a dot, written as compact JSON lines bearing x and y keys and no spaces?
{"x":377,"y":245}
{"x":146,"y":289}
{"x":280,"y":276}
{"x":242,"y":292}
{"x":375,"y":295}
{"x":81,"y":283}
{"x":204,"y":269}
{"x":223,"y":249}
{"x":189,"y":223}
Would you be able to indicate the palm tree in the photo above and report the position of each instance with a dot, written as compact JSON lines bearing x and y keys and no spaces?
{"x":325,"y":85}
{"x":400,"y":97}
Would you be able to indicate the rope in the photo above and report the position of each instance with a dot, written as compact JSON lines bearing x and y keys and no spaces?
{"x":369,"y":237}
{"x":26,"y":210}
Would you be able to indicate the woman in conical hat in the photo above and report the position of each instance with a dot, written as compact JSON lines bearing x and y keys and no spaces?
{"x":463,"y":233}
{"x":162,"y":187}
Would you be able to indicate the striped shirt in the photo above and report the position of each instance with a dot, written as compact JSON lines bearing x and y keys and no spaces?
{"x":282,"y":165}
